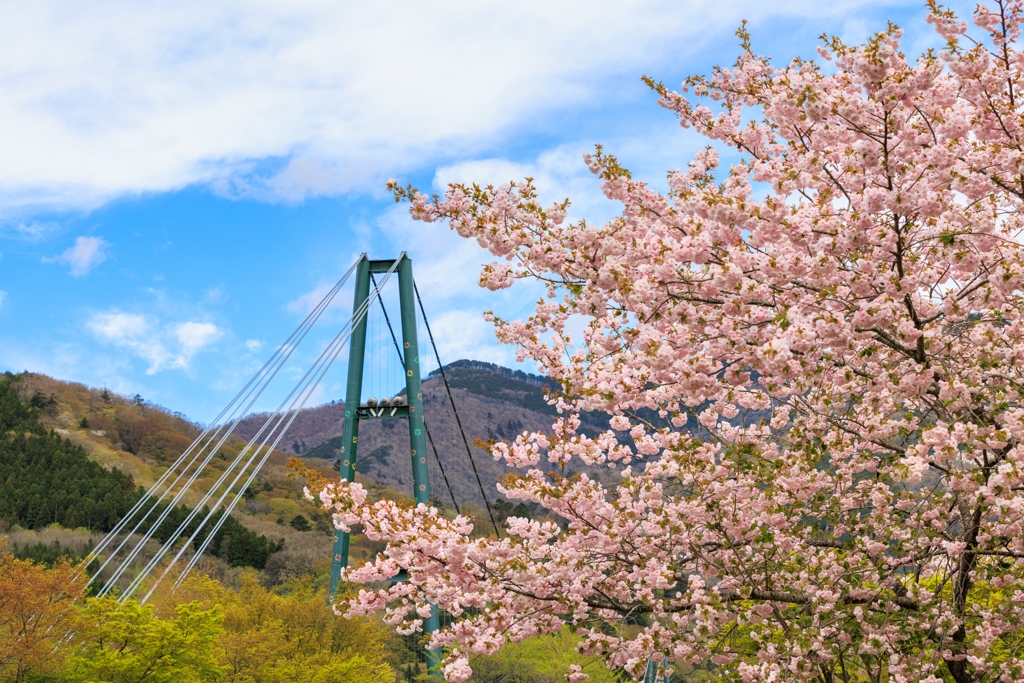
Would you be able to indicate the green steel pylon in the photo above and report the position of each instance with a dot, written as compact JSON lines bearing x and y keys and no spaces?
{"x":355,"y":411}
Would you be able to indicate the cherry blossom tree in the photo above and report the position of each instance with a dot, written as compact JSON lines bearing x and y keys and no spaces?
{"x":813,"y":360}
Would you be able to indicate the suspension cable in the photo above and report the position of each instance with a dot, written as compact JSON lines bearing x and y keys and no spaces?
{"x":294,"y":411}
{"x":279,"y":415}
{"x":401,"y":358}
{"x":212,"y":452}
{"x":304,"y":389}
{"x":452,"y":401}
{"x":124,"y":521}
{"x":278,"y":358}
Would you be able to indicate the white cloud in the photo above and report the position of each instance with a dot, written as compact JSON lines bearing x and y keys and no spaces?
{"x":194,"y":336}
{"x":3,"y":295}
{"x":253,"y":345}
{"x":87,"y":253}
{"x":465,"y":334}
{"x":29,"y":231}
{"x":117,"y":326}
{"x":161,"y":346}
{"x":284,"y":99}
{"x":215,"y":295}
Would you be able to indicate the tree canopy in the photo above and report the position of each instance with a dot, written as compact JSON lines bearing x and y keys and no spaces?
{"x":37,"y":614}
{"x":833,"y":327}
{"x":203,"y":631}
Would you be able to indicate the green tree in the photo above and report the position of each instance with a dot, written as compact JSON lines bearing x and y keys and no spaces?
{"x":126,"y":643}
{"x":541,"y":659}
{"x":271,"y":638}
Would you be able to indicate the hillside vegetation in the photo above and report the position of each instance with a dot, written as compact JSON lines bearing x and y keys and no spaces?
{"x":74,"y":459}
{"x":46,"y":479}
{"x":49,"y":631}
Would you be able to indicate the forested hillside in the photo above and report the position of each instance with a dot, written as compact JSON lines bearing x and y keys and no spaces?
{"x":46,"y":479}
{"x":73,"y":459}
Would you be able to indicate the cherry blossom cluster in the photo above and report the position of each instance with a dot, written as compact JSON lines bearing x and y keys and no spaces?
{"x":813,"y":363}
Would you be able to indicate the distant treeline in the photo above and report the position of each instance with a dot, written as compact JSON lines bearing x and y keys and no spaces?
{"x":48,"y":553}
{"x":45,"y":479}
{"x":539,"y":380}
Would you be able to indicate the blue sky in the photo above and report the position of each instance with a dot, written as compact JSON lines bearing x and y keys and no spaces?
{"x":178,"y":181}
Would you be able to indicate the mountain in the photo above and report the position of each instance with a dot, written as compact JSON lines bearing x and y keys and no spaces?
{"x":493,"y":403}
{"x":107,"y":446}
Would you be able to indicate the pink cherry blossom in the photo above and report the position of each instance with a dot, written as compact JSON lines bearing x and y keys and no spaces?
{"x":830,"y":332}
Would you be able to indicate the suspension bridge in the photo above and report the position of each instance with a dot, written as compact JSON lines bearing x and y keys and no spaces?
{"x":384,"y":383}
{"x":381,"y":386}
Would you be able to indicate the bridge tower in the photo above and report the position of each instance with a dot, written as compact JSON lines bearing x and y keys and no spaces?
{"x":412,"y":410}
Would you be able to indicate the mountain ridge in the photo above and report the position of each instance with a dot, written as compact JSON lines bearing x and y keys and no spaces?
{"x":494,"y":403}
